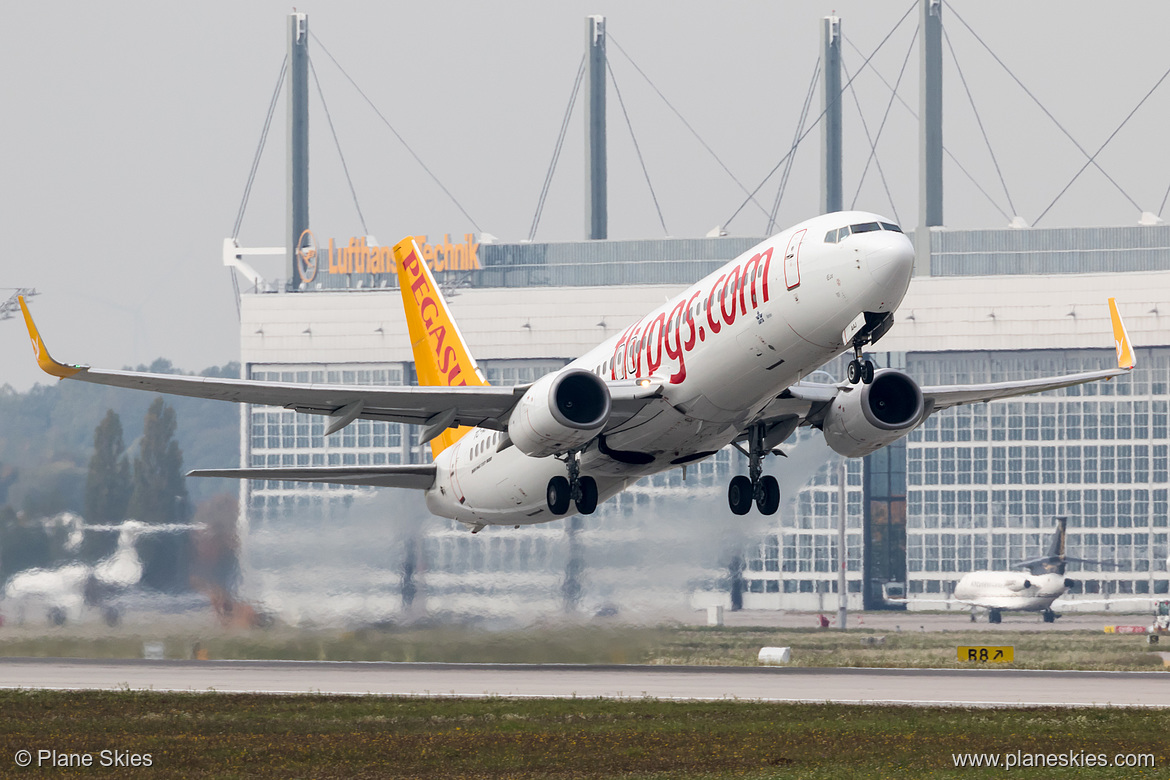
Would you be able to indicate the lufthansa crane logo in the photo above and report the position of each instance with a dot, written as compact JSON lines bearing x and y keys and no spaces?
{"x":307,"y":256}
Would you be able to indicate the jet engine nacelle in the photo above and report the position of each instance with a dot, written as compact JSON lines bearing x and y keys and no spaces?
{"x":560,"y":412}
{"x":864,"y":418}
{"x":1017,"y":584}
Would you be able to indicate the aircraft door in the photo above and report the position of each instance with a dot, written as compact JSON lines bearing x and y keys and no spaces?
{"x":457,"y":450}
{"x":792,"y":260}
{"x":630,"y":359}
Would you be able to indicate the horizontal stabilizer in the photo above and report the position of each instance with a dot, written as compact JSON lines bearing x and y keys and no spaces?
{"x":415,"y":476}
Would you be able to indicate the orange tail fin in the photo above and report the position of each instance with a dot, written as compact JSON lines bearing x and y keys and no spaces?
{"x":1125,"y":358}
{"x":441,"y":357}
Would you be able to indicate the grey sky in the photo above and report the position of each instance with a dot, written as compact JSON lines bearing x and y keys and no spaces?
{"x":129,"y":129}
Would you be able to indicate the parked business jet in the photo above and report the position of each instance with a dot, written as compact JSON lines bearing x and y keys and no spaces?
{"x":1040,"y":582}
{"x":64,"y":592}
{"x":721,"y":363}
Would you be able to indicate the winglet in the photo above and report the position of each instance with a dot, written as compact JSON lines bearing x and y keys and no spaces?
{"x":1125,"y":357}
{"x":44,"y":359}
{"x":441,"y":356}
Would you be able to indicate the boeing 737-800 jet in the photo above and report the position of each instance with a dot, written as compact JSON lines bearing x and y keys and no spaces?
{"x":723,"y":362}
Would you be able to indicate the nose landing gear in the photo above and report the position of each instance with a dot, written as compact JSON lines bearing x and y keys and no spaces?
{"x":876,"y":325}
{"x":761,"y":488}
{"x":859,"y":370}
{"x":576,"y":488}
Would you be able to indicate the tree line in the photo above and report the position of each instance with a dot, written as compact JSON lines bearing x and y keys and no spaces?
{"x":49,"y":467}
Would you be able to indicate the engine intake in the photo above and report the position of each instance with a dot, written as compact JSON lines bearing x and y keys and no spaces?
{"x":866,"y":418}
{"x":559,"y":412}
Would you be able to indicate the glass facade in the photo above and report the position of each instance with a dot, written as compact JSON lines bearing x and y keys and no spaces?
{"x":984,"y":482}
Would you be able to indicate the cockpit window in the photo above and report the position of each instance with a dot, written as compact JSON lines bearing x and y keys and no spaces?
{"x":840,"y":234}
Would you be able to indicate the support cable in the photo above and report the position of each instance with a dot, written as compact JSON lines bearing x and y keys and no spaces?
{"x":873,"y":142}
{"x":796,"y":136}
{"x":1164,"y":197}
{"x":337,"y":143}
{"x":637,"y":149}
{"x":979,"y":121}
{"x":695,"y":133}
{"x":552,"y":166}
{"x":821,"y":116}
{"x":1101,"y":148}
{"x":946,"y":151}
{"x":397,"y":135}
{"x":1047,"y":113}
{"x":260,"y":149}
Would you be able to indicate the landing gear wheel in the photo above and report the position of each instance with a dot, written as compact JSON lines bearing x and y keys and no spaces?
{"x":853,"y":372}
{"x":768,"y":495}
{"x":587,"y":501}
{"x":558,"y":495}
{"x":739,"y":494}
{"x":1050,"y":616}
{"x":994,"y":617}
{"x":867,"y":373}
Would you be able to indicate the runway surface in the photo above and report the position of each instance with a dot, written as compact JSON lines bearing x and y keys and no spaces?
{"x":949,"y":687}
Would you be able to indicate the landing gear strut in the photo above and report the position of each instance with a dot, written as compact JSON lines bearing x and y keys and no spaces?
{"x":576,"y":488}
{"x":761,"y":488}
{"x":876,"y":326}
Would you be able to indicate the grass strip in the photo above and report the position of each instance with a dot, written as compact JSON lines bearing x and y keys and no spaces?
{"x":213,"y":735}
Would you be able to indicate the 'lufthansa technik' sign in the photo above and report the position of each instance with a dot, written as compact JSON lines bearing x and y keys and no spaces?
{"x":358,"y":257}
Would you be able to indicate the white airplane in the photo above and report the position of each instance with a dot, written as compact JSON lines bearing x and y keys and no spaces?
{"x":66,"y":591}
{"x":721,"y":363}
{"x":1040,"y":582}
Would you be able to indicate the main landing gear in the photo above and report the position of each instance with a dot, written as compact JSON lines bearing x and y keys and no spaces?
{"x":1050,"y":616}
{"x":576,"y":488}
{"x":993,"y":616}
{"x":761,"y":488}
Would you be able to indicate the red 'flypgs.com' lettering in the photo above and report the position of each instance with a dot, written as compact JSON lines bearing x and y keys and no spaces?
{"x":428,"y":307}
{"x":663,"y":333}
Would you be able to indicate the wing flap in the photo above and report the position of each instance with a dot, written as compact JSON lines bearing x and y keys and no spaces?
{"x":414,"y":476}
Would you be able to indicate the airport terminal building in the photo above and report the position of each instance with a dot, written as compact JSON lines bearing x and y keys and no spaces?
{"x":974,"y":487}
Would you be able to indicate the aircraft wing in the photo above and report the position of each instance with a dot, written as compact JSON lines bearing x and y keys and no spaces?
{"x":806,"y":402}
{"x":945,"y":396}
{"x":444,"y":407}
{"x":419,"y":476}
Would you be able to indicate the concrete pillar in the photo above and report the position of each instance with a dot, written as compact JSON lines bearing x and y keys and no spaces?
{"x":596,"y":217}
{"x":930,"y":143}
{"x":298,"y":137}
{"x":832,"y":198}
